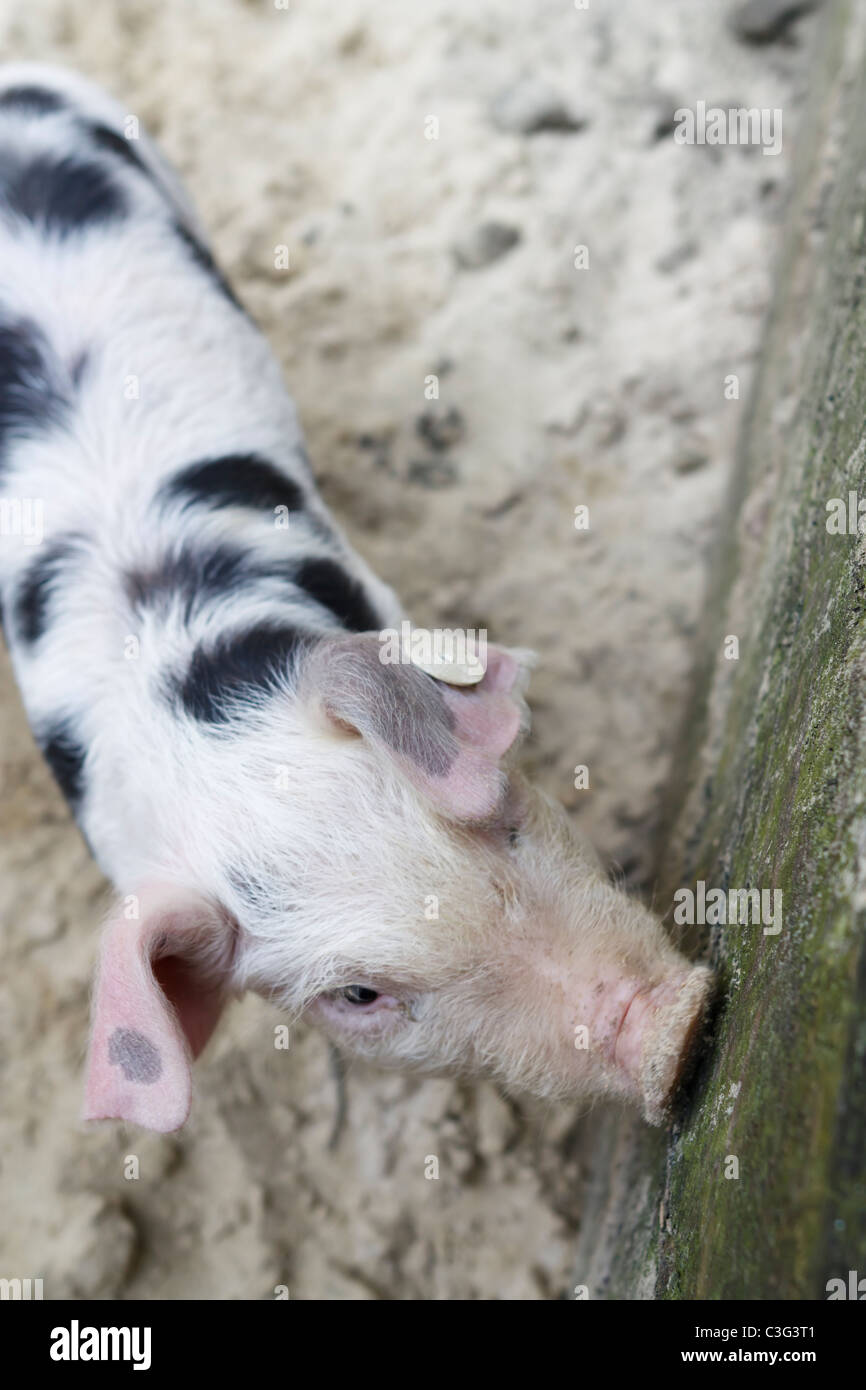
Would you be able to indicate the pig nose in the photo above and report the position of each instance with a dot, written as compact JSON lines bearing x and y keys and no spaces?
{"x":657,"y":1035}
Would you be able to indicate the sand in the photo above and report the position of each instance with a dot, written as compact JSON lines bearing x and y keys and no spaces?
{"x":307,"y":128}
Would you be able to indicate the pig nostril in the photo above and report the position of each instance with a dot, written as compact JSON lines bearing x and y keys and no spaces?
{"x":359,"y":994}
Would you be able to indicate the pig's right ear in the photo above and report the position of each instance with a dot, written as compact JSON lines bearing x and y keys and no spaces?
{"x":449,"y":742}
{"x":160,"y":990}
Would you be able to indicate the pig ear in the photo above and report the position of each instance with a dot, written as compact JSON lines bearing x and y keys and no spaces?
{"x":449,"y":741}
{"x":159,"y":993}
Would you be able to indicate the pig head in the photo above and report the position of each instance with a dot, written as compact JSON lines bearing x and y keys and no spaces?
{"x":363,"y":854}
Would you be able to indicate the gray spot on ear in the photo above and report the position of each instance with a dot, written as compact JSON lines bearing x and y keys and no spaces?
{"x":397,"y":705}
{"x":414,"y":719}
{"x":136,"y":1055}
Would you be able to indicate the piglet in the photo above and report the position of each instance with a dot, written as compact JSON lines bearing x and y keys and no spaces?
{"x":201,"y":657}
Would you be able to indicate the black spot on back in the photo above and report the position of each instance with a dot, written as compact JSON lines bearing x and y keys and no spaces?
{"x":110,"y":140}
{"x":326,"y":582}
{"x":30,"y":396}
{"x":31,"y":100}
{"x":33,"y":596}
{"x":61,"y":193}
{"x":65,"y":756}
{"x":203,"y":258}
{"x":194,"y":576}
{"x":238,"y":666}
{"x":236,"y":480}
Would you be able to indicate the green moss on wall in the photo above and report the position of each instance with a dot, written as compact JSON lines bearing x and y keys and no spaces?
{"x":772,"y":794}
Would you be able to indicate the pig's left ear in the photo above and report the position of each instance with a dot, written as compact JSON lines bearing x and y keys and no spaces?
{"x":449,"y":740}
{"x":159,"y":993}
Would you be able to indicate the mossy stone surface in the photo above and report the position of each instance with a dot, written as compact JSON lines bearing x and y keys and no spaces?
{"x":758,"y":1190}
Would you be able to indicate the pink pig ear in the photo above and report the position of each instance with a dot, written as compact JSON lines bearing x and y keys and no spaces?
{"x":159,"y":993}
{"x":448,"y":740}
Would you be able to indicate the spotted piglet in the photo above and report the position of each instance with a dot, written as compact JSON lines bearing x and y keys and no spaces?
{"x":201,"y":657}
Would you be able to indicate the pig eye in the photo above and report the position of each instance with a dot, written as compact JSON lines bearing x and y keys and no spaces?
{"x":359,"y":994}
{"x":514,"y":836}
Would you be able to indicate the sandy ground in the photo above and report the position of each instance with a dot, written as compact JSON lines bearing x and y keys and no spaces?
{"x":307,"y":128}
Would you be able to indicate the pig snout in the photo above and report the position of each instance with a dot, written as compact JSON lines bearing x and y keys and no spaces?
{"x":648,"y":1034}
